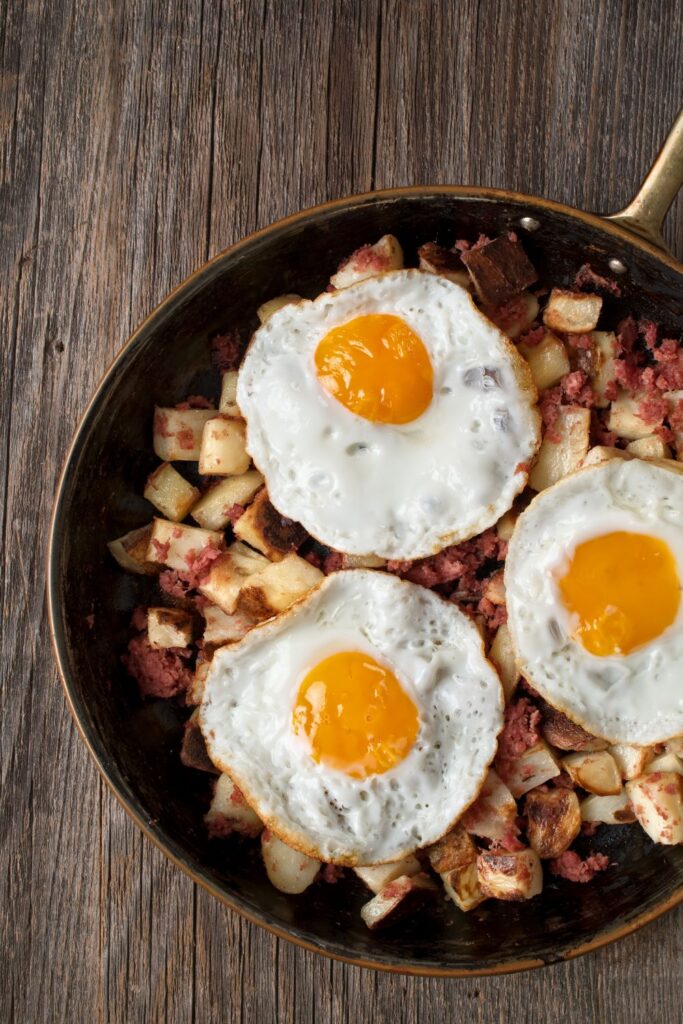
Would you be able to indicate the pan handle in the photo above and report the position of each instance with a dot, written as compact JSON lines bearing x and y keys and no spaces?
{"x":645,"y":214}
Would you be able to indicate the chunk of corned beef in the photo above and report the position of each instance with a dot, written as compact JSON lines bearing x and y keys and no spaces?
{"x":571,"y":866}
{"x":586,"y":278}
{"x":521,"y":729}
{"x":226,"y":351}
{"x":159,"y":672}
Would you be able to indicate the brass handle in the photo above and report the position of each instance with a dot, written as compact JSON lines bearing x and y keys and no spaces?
{"x":645,"y":214}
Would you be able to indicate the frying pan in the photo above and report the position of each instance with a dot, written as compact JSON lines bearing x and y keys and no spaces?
{"x":135,"y":744}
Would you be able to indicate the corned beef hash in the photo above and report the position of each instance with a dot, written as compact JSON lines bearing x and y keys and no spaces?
{"x":419,"y":576}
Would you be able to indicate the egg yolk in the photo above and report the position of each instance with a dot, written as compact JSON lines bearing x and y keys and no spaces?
{"x":377,"y":367}
{"x":355,"y":714}
{"x":624,"y":589}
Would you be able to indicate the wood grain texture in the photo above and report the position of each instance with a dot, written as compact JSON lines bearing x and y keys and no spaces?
{"x":139,"y":138}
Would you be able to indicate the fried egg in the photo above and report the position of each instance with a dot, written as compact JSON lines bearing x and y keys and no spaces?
{"x":593,"y":583}
{"x":360,"y":723}
{"x":389,"y":418}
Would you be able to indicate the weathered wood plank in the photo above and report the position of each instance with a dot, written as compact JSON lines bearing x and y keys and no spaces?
{"x":139,"y":138}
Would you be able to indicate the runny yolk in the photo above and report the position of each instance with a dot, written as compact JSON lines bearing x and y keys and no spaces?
{"x":377,"y":367}
{"x":355,"y":714}
{"x":624,"y":589}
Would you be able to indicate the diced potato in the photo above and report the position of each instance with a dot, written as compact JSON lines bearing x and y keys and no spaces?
{"x":535,"y":766}
{"x":278,"y":586}
{"x":595,"y":771}
{"x":228,"y":401}
{"x":229,"y":573}
{"x":369,"y":261}
{"x":560,"y":731}
{"x":195,"y":691}
{"x":667,"y":762}
{"x":554,"y":821}
{"x":376,"y":876}
{"x":493,"y":815}
{"x":558,"y":458}
{"x":171,"y":543}
{"x":399,"y":897}
{"x":435,"y":259}
{"x":506,"y":524}
{"x":625,"y":420}
{"x":213,"y":508}
{"x":502,"y":654}
{"x":572,"y":312}
{"x":178,"y":433}
{"x":510,"y":876}
{"x":363,"y":562}
{"x":265,"y":311}
{"x":631,"y":761}
{"x":494,"y":590}
{"x":169,"y":627}
{"x":609,"y":810}
{"x":517,"y":316}
{"x":193,"y":752}
{"x":288,"y":870}
{"x":657,"y":800}
{"x":170,"y":492}
{"x":454,"y":858}
{"x":222,"y":628}
{"x":651,"y":447}
{"x":462,"y":886}
{"x":548,"y":361}
{"x":223,"y":449}
{"x":229,"y":811}
{"x":130,"y":551}
{"x":604,"y":453}
{"x":675,"y":746}
{"x":604,"y":365}
{"x":265,"y":529}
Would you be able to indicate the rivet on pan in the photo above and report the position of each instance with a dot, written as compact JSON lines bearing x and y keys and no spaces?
{"x":617,"y":267}
{"x":530,"y":223}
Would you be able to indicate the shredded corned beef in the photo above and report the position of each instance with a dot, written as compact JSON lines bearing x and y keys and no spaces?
{"x":563,"y":781}
{"x":589,"y":828}
{"x":580,"y":341}
{"x":313,"y":558}
{"x":195,"y":402}
{"x":161,"y":550}
{"x":495,"y":614}
{"x":174,"y":583}
{"x":226,"y":351}
{"x":139,"y":619}
{"x":331,"y":873}
{"x":575,"y":869}
{"x":332,"y":562}
{"x":462,"y":245}
{"x":588,"y":277}
{"x":521,"y":729}
{"x":549,"y":402}
{"x":161,"y":424}
{"x":599,"y":432}
{"x":159,"y":672}
{"x":534,"y":336}
{"x":506,"y":315}
{"x":234,"y":512}
{"x":366,"y":258}
{"x":178,"y":583}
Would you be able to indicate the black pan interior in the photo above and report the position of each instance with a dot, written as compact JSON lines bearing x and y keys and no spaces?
{"x":137,"y":743}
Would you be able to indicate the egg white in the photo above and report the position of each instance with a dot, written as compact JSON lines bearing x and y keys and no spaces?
{"x":634,"y":698}
{"x":436,"y":653}
{"x":398,"y":491}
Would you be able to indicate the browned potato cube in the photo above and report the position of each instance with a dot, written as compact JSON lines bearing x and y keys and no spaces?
{"x":229,"y":573}
{"x":265,"y":311}
{"x":398,"y":898}
{"x":170,"y":492}
{"x":376,"y":876}
{"x":604,"y":365}
{"x":193,"y":752}
{"x":169,"y":627}
{"x":223,"y":449}
{"x":454,"y":850}
{"x":363,"y":562}
{"x":369,"y":261}
{"x":175,"y":545}
{"x":604,"y":453}
{"x":630,"y":760}
{"x":554,"y":821}
{"x":222,"y":628}
{"x":506,"y":524}
{"x":265,"y":529}
{"x":666,"y":762}
{"x":657,"y":800}
{"x":228,"y":401}
{"x":510,"y":876}
{"x":277,"y":586}
{"x":548,"y":361}
{"x":493,"y":815}
{"x":595,"y":771}
{"x":287,"y":869}
{"x":500,"y":269}
{"x":572,"y":312}
{"x":535,"y":766}
{"x":130,"y":551}
{"x":435,"y":259}
{"x":560,"y":731}
{"x":608,"y":810}
{"x":196,"y":690}
{"x":625,"y":420}
{"x":462,"y":886}
{"x":178,"y":433}
{"x":651,"y":447}
{"x":502,"y":654}
{"x":214,"y":507}
{"x":229,"y":811}
{"x":556,"y":459}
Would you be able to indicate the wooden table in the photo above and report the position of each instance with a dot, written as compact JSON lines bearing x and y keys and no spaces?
{"x":141,"y":137}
